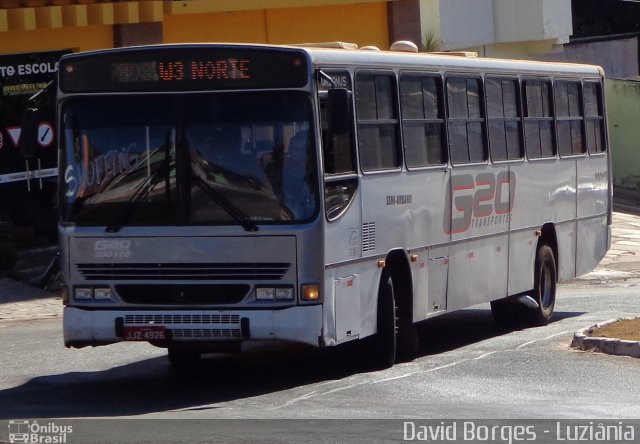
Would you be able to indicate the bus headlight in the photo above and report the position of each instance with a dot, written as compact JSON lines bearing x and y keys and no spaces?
{"x":310,"y":292}
{"x":284,"y":294}
{"x":89,"y":293}
{"x":265,"y":293}
{"x":102,"y":294}
{"x":274,"y":293}
{"x":83,"y":293}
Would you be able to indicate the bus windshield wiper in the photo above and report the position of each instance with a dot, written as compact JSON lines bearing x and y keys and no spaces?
{"x":236,"y":213}
{"x":141,"y":192}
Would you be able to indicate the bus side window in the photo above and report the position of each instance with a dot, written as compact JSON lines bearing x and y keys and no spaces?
{"x":504,"y":118}
{"x":593,"y":115}
{"x":466,"y":120}
{"x":568,"y":99}
{"x":377,"y":115}
{"x":337,"y":150}
{"x":538,"y":119}
{"x":422,"y":121}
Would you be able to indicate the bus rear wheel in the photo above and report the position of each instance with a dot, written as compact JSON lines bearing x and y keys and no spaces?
{"x":511,"y":313}
{"x":544,"y":291}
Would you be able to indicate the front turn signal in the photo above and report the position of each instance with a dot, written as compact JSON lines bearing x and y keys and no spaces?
{"x":310,"y":292}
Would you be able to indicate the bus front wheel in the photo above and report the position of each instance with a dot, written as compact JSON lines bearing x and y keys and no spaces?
{"x":384,"y":345}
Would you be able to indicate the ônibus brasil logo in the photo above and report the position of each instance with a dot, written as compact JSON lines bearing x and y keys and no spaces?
{"x":31,"y":432}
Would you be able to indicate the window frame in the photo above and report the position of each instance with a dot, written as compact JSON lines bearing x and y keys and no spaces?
{"x":527,"y":119}
{"x":562,"y":119}
{"x":322,"y":97}
{"x":422,"y":122}
{"x":597,"y":81}
{"x":397,"y":140}
{"x":454,"y":121}
{"x":519,"y":118}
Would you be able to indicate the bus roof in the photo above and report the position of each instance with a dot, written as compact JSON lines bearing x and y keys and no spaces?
{"x":444,"y":61}
{"x":340,"y":54}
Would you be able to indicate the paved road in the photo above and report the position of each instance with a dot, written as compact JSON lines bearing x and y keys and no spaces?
{"x":468,"y":367}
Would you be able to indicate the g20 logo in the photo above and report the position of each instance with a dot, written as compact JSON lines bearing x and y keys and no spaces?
{"x":482,"y":196}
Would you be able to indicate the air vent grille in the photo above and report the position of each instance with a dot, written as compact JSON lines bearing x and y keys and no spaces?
{"x":368,"y":236}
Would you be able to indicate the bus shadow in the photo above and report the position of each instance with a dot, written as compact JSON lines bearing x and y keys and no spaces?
{"x":151,"y":386}
{"x":466,"y":327}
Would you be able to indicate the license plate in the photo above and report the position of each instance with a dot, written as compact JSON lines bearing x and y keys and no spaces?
{"x":155,"y":333}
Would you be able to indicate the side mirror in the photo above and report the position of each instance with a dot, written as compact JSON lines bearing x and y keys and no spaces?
{"x":338,"y":104}
{"x":28,"y":144}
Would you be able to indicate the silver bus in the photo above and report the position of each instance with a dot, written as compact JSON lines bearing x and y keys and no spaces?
{"x":213,"y":194}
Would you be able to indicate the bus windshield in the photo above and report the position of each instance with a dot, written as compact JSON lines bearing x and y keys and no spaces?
{"x":198,"y":159}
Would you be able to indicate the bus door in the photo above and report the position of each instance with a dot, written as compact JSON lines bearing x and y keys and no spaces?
{"x":342,"y":204}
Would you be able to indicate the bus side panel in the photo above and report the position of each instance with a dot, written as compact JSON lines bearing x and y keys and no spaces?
{"x":478,"y":271}
{"x":566,"y":235}
{"x":593,"y":194}
{"x":350,"y":304}
{"x":429,"y":268}
{"x":405,"y":210}
{"x":347,"y":303}
{"x":593,"y":186}
{"x":592,"y":245}
{"x":522,"y":248}
{"x":480,"y":202}
{"x":545,"y":193}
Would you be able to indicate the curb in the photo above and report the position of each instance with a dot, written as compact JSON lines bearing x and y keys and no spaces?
{"x":620,"y":347}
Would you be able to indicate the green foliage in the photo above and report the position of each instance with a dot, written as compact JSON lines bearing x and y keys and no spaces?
{"x":430,"y":42}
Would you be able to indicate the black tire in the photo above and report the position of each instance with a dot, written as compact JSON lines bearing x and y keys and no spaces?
{"x":183,"y":358}
{"x":544,"y":290}
{"x":510,"y":313}
{"x":384,"y":346}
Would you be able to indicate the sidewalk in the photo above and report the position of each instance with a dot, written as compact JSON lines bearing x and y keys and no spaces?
{"x":19,"y":301}
{"x":622,"y":263}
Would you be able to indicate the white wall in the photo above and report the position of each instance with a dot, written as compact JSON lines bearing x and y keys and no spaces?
{"x":464,"y":24}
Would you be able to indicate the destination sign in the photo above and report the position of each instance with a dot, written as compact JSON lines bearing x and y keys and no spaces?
{"x":184,"y":68}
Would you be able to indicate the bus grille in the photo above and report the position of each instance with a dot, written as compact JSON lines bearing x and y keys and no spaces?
{"x":181,"y":319}
{"x":206,"y":333}
{"x":183,"y":271}
{"x":203,"y":326}
{"x":182,"y":294}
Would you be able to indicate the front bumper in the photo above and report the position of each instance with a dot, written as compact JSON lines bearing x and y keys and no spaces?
{"x":301,"y":324}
